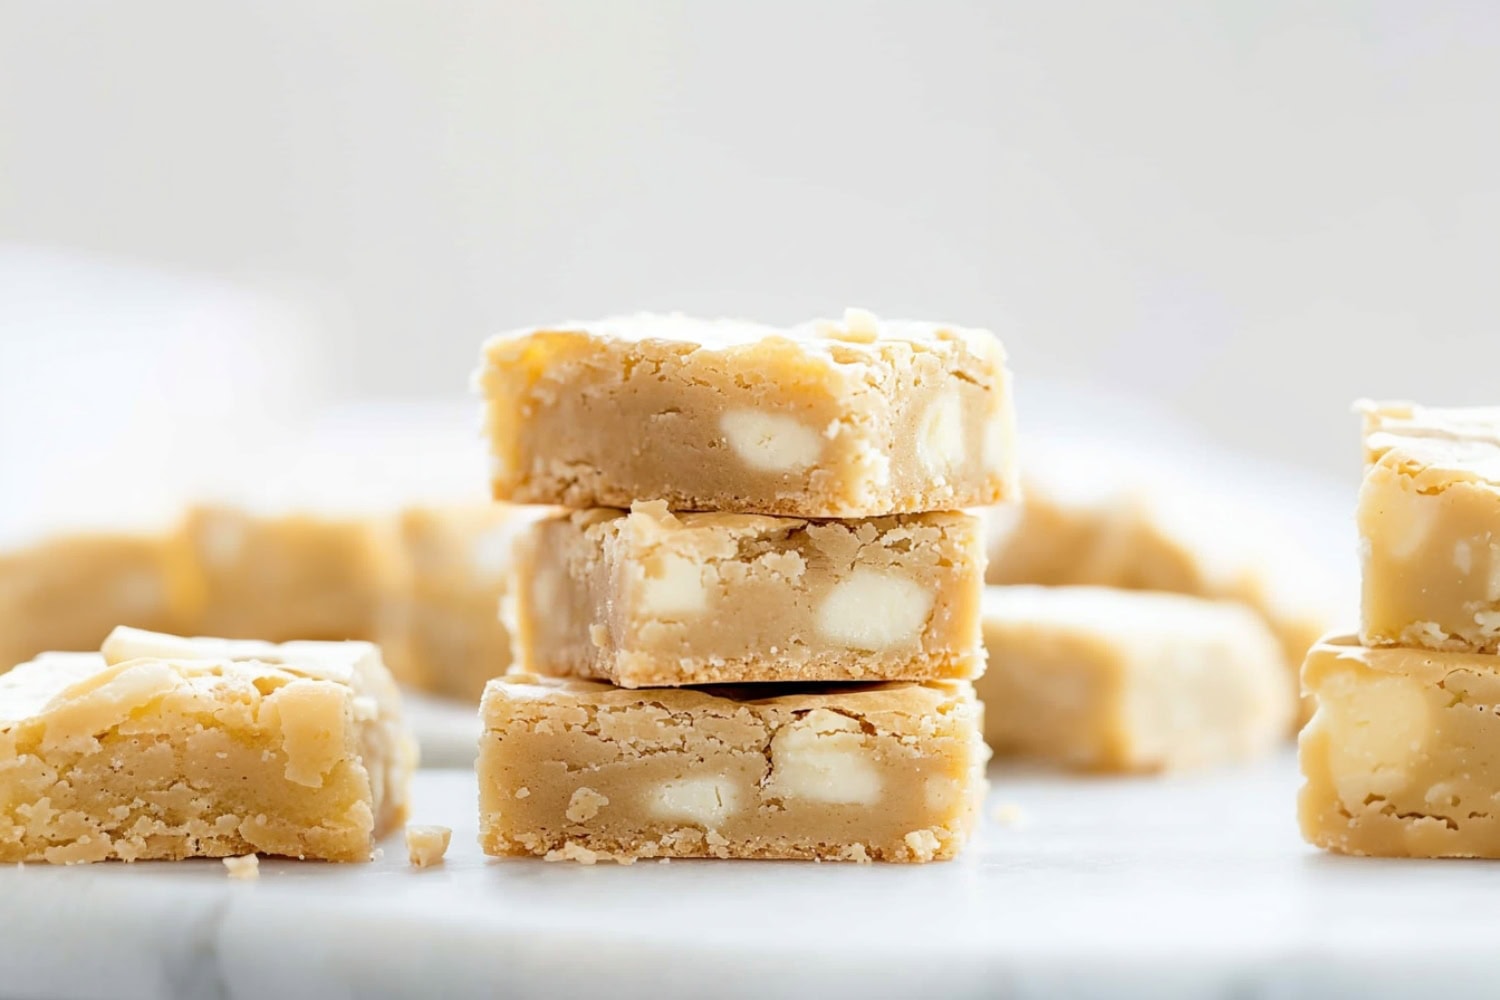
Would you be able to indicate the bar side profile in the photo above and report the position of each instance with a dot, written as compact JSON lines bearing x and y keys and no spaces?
{"x":828,"y":419}
{"x":1402,"y":757}
{"x":582,"y":771}
{"x":649,"y":598}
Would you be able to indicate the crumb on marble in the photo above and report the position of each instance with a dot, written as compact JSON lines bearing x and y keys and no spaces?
{"x":244,"y":867}
{"x":426,"y":845}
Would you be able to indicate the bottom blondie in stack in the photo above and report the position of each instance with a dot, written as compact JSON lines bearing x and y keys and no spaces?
{"x":1402,"y":758}
{"x":768,"y":666}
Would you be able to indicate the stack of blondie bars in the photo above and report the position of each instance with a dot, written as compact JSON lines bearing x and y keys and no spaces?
{"x":1402,"y":757}
{"x":752,"y":632}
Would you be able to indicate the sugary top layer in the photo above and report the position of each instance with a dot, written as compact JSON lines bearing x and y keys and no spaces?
{"x":1111,"y":612}
{"x":858,"y":331}
{"x":135,"y":662}
{"x":1462,"y":443}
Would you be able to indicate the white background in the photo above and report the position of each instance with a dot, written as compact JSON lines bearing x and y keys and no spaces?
{"x":1243,"y":214}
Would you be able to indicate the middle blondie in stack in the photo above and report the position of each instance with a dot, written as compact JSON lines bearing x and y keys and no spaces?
{"x":752,"y":634}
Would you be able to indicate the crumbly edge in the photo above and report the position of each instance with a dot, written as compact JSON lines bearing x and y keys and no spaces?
{"x":1431,"y":636}
{"x":576,"y":493}
{"x":643,"y":671}
{"x":917,"y":847}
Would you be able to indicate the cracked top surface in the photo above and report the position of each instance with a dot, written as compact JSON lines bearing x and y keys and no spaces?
{"x":857,"y":336}
{"x":1434,"y":445}
{"x":133,"y":663}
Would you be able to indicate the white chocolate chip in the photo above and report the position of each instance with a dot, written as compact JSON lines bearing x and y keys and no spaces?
{"x":673,"y":585}
{"x":1376,"y":724}
{"x":1494,"y":587}
{"x":585,"y":804}
{"x":822,"y":757}
{"x":1408,"y":523}
{"x":1463,"y":556}
{"x":707,"y":800}
{"x":940,"y":436}
{"x":771,"y":442}
{"x":222,"y":540}
{"x":874,"y":610}
{"x":1444,"y":794}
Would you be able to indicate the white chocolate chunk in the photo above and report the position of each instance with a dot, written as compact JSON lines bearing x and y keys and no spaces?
{"x":1494,"y":587}
{"x":771,"y":442}
{"x":940,"y":441}
{"x":673,"y":585}
{"x":1410,"y":524}
{"x":874,"y":610}
{"x":821,"y":757}
{"x":426,"y":845}
{"x":1488,"y":622}
{"x":222,"y":541}
{"x":585,"y":805}
{"x":1444,"y":794}
{"x":707,"y":800}
{"x":1463,"y":556}
{"x":1375,"y":727}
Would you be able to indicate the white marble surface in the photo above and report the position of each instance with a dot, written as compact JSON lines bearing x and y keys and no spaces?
{"x":446,"y":730}
{"x":1181,"y":887}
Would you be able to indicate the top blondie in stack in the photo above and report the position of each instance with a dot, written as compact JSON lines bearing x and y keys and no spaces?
{"x":771,"y":511}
